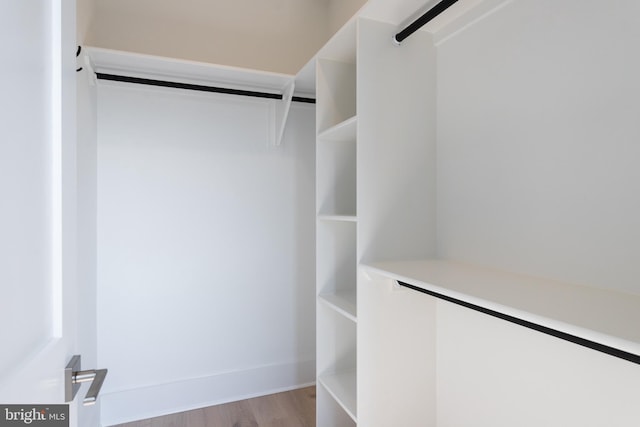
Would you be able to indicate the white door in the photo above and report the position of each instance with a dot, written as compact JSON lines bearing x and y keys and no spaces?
{"x":38,"y":289}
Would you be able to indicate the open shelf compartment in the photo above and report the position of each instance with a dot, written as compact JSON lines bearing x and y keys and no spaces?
{"x":336,"y":87}
{"x":342,"y":387}
{"x":336,"y":179}
{"x":343,"y":302}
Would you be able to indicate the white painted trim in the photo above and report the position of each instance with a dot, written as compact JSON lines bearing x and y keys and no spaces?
{"x":162,"y":399}
{"x":57,"y":130}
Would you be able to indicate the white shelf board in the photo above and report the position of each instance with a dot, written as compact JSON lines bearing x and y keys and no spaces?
{"x":157,"y":67}
{"x":342,"y":387}
{"x":342,"y":302}
{"x":346,"y":218}
{"x":606,"y":317}
{"x":342,"y":132}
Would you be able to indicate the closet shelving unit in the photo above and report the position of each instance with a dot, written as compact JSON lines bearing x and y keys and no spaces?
{"x":389,"y":209}
{"x":414,"y":197}
{"x":375,"y":140}
{"x":337,"y":222}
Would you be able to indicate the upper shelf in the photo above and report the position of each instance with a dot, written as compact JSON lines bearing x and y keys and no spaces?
{"x":342,"y":132}
{"x":156,"y":67}
{"x":344,"y":302}
{"x":343,"y":387}
{"x":603,"y":316}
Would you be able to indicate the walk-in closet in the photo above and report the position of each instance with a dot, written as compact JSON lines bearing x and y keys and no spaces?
{"x":426,"y":212}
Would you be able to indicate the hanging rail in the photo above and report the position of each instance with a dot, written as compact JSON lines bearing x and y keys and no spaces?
{"x":421,"y":21}
{"x":200,"y":88}
{"x":611,"y":351}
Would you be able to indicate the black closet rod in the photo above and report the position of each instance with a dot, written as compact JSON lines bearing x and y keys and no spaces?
{"x":421,"y":21}
{"x":611,"y":351}
{"x":200,"y":88}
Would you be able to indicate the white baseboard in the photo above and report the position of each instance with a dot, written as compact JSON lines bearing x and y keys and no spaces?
{"x":163,"y":399}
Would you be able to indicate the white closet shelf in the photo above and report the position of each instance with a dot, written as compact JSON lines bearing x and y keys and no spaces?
{"x":192,"y":72}
{"x":343,"y":302}
{"x":342,"y":387}
{"x":342,"y":132}
{"x":346,"y":218}
{"x":603,"y":316}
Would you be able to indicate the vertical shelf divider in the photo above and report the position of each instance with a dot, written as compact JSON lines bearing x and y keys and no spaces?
{"x":336,"y":230}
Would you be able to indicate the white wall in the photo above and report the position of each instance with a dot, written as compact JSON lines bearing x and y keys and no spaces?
{"x":280,"y":35}
{"x":538,"y":142}
{"x":205,"y":250}
{"x":537,"y":152}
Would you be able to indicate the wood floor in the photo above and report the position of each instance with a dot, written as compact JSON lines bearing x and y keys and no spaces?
{"x":296,"y":408}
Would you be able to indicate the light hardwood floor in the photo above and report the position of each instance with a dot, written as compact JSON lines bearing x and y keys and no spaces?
{"x":296,"y":408}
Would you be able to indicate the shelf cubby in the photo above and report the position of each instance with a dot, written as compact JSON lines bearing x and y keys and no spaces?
{"x":329,"y":412}
{"x":343,"y":302}
{"x":336,"y":341}
{"x":344,"y":131}
{"x":336,"y":177}
{"x":342,"y":387}
{"x":336,"y":347}
{"x":336,"y":257}
{"x":336,"y":85}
